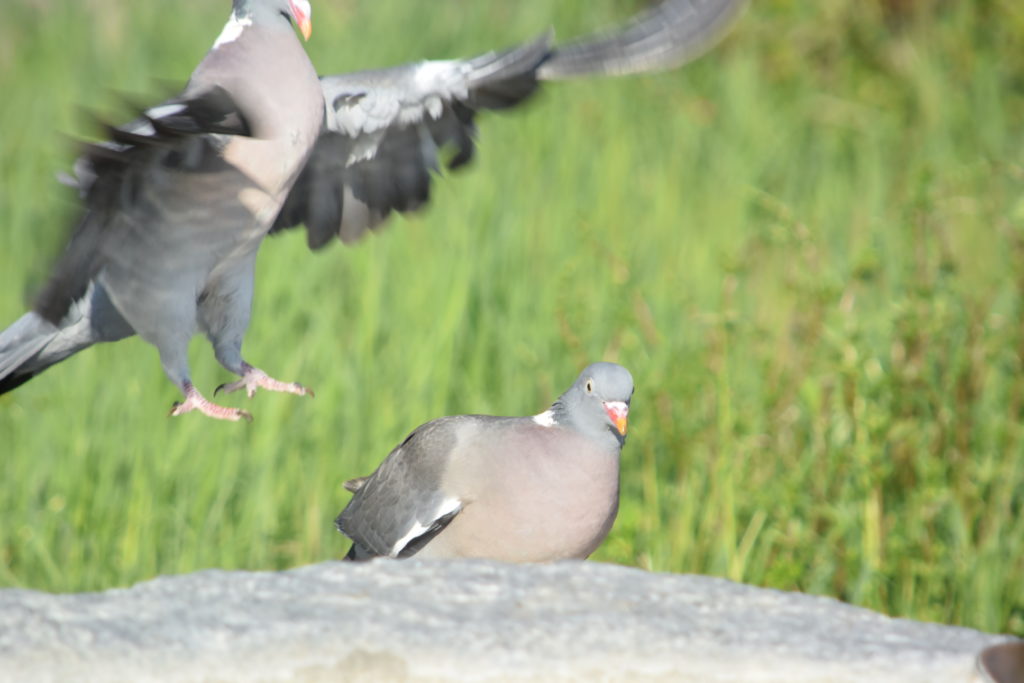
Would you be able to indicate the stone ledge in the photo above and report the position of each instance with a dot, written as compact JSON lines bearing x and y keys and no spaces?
{"x":480,"y":621}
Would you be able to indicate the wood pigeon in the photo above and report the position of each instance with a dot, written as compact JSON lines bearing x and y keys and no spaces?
{"x":514,"y":489}
{"x":177,"y":202}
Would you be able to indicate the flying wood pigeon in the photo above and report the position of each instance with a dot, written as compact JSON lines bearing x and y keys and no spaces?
{"x":516,"y":489}
{"x":178,"y":201}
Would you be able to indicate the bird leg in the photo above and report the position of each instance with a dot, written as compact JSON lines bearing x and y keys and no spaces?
{"x":195,"y":401}
{"x":254,"y":378}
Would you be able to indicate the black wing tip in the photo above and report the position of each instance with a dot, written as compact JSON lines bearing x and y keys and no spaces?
{"x":14,"y":380}
{"x":212,"y":111}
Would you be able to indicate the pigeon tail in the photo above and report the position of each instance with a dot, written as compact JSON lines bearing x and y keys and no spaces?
{"x":32,"y":343}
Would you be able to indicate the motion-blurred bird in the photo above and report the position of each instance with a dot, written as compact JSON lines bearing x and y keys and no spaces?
{"x":178,"y":201}
{"x":516,"y":489}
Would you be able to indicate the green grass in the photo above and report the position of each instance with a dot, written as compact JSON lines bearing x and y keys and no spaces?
{"x":808,"y":248}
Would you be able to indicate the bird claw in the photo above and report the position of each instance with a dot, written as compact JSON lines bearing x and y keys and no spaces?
{"x":211,"y":410}
{"x":195,"y":401}
{"x":254,"y":378}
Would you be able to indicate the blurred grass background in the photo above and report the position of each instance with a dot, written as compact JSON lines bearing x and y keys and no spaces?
{"x":808,"y":247}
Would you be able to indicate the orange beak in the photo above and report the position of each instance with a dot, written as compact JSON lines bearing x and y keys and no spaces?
{"x":618,"y":413}
{"x":302,"y":12}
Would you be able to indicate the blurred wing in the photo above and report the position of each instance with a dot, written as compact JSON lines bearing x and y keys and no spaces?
{"x":386,"y":129}
{"x":664,"y":37}
{"x":185,"y":134}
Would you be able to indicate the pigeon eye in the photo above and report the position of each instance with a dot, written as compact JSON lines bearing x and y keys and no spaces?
{"x":590,"y":386}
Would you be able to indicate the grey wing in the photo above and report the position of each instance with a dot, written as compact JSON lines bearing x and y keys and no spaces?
{"x":386,"y":129}
{"x":185,"y":133}
{"x":401,"y":506}
{"x":666,"y":36}
{"x":384,"y":134}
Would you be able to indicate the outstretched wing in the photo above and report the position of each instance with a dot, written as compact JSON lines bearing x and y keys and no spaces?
{"x":385,"y":132}
{"x":386,"y":129}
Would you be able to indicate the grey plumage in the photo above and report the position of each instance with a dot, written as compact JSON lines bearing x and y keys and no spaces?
{"x":508,"y":488}
{"x":664,"y":37}
{"x":178,"y":201}
{"x":176,"y":204}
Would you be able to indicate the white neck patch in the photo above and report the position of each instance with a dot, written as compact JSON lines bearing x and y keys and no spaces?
{"x":545,"y":419}
{"x":232,"y":30}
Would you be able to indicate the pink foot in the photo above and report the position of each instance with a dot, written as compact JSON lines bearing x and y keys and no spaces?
{"x":195,"y":401}
{"x":254,"y":378}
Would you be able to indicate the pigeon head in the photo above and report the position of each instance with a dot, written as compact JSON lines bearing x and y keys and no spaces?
{"x":266,"y":11}
{"x":597,"y":404}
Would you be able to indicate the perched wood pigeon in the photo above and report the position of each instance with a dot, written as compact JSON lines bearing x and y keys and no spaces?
{"x":515,"y":489}
{"x":178,"y":201}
